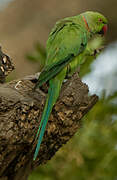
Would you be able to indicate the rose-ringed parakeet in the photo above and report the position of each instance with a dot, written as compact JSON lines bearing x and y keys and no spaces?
{"x":65,"y":49}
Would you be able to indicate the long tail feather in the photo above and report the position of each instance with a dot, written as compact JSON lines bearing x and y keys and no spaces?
{"x":45,"y":116}
{"x":53,"y":93}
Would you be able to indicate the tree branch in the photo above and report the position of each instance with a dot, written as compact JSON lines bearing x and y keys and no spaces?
{"x":20,"y":114}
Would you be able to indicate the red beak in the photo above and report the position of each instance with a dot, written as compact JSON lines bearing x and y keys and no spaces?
{"x":105,"y":28}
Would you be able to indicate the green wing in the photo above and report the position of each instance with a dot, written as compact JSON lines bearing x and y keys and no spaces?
{"x":66,"y":41}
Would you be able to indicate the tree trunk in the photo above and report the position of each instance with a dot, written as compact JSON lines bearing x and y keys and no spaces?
{"x":20,"y":113}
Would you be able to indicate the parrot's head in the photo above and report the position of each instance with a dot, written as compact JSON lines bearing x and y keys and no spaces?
{"x":95,"y":22}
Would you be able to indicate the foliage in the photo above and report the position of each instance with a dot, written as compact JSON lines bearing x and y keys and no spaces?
{"x":38,"y":56}
{"x":92,"y":152}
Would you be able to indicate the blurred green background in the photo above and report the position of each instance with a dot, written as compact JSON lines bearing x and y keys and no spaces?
{"x":92,"y":153}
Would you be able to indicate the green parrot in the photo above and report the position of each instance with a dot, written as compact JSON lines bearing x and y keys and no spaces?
{"x":66,"y":47}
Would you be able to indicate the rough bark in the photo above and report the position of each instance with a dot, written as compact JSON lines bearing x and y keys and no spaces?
{"x":20,"y":114}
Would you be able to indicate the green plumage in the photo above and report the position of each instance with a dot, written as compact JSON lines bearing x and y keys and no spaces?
{"x":65,"y":50}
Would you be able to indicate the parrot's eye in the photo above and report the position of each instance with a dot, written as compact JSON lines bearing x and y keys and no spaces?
{"x":100,"y":20}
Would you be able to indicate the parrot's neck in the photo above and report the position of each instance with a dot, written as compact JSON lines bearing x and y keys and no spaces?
{"x":89,"y":32}
{"x":82,"y":21}
{"x":86,"y":24}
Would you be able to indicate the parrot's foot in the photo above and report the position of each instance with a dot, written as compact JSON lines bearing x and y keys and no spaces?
{"x":65,"y":80}
{"x":33,"y":78}
{"x":97,"y":51}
